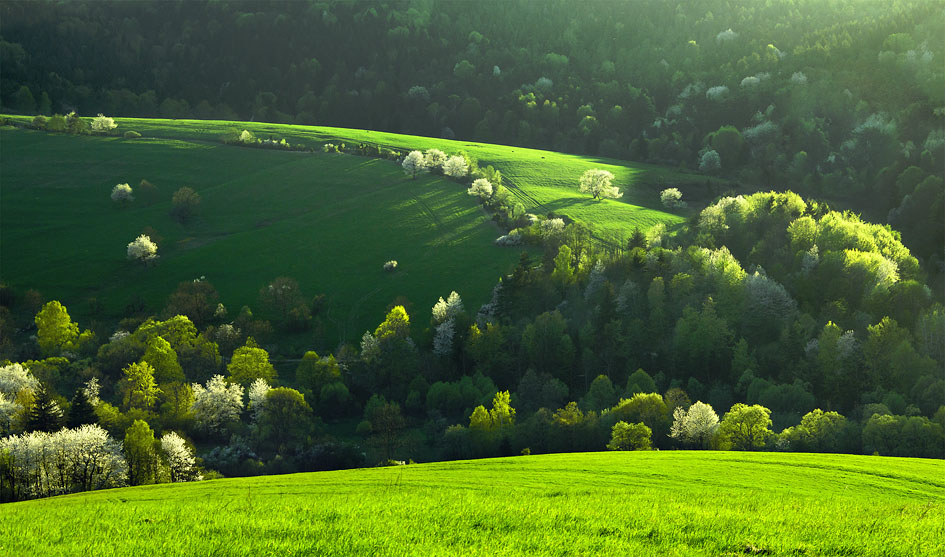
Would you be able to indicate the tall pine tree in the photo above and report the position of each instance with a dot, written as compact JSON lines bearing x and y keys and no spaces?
{"x":45,"y":415}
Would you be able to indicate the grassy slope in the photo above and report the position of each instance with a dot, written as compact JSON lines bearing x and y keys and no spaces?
{"x":329,"y":221}
{"x":667,"y":503}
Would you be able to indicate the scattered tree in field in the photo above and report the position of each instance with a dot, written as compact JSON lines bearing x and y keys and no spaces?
{"x":391,"y":265}
{"x":697,"y":425}
{"x":148,"y":192}
{"x":55,"y":330}
{"x":250,"y":362}
{"x":179,"y":459}
{"x":142,"y":249}
{"x":597,"y":182}
{"x":121,"y":194}
{"x":184,"y":204}
{"x":629,"y":437}
{"x":141,"y":390}
{"x":414,"y":163}
{"x":103,"y":124}
{"x":746,"y":428}
{"x":456,"y":167}
{"x":141,"y":454}
{"x":672,"y":198}
{"x":434,"y":159}
{"x":217,"y":405}
{"x":480,"y":188}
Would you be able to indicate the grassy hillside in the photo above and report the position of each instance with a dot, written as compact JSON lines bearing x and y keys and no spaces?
{"x":667,"y":503}
{"x":328,"y":220}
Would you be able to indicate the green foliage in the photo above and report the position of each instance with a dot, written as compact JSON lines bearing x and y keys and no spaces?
{"x":55,"y":330}
{"x":629,"y":437}
{"x":142,"y":454}
{"x":250,"y":362}
{"x":745,"y":428}
{"x":141,"y":390}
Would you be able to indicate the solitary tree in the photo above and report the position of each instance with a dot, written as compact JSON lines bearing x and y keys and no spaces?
{"x":103,"y":124}
{"x":121,"y":194}
{"x":184,"y":204}
{"x":597,"y":182}
{"x":142,"y":249}
{"x":672,"y":198}
{"x":414,"y":163}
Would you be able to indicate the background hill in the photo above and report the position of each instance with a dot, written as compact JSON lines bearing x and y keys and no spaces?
{"x":672,"y":503}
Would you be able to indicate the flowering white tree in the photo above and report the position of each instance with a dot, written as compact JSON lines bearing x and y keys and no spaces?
{"x":552,"y":227}
{"x":448,"y":308}
{"x":142,"y":249}
{"x":443,"y":338}
{"x":8,"y":409}
{"x":697,"y":425}
{"x":257,"y":397}
{"x":414,"y":163}
{"x":14,"y":378}
{"x":121,"y":194}
{"x":217,"y":404}
{"x":434,"y":159}
{"x":180,"y":458}
{"x":455,"y":167}
{"x":597,"y":182}
{"x":103,"y":124}
{"x":481,"y":188}
{"x":41,"y":464}
{"x":672,"y":198}
{"x":710,"y":161}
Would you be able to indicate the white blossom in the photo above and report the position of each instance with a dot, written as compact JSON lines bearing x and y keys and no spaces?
{"x":448,"y":308}
{"x":597,"y":182}
{"x":414,"y":163}
{"x":142,"y":249}
{"x":102,"y":123}
{"x":216,"y":404}
{"x":717,"y":93}
{"x":443,"y":338}
{"x":370,"y":349}
{"x":14,"y":378}
{"x":180,"y":459}
{"x":726,"y":36}
{"x":434,"y":159}
{"x":455,"y":167}
{"x":798,"y":78}
{"x":672,"y":198}
{"x":480,"y":188}
{"x":121,"y":193}
{"x":257,"y":397}
{"x":696,"y":425}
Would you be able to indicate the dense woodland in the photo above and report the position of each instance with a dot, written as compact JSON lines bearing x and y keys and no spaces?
{"x":838,"y":100}
{"x":768,"y":321}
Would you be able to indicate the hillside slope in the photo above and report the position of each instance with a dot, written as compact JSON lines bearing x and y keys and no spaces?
{"x":669,"y":503}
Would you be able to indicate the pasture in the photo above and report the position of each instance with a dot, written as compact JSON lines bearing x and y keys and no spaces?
{"x":617,"y":503}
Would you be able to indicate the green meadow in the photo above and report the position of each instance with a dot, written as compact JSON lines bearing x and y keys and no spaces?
{"x":328,"y":220}
{"x":617,"y":503}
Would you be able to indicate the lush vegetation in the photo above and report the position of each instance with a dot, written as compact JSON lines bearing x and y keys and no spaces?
{"x":619,"y":503}
{"x":841,"y":99}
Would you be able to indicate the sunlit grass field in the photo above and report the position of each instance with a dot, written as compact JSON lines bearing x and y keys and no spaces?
{"x":330,"y":221}
{"x":639,"y":503}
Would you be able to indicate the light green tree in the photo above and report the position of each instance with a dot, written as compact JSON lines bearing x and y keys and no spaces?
{"x":56,"y":331}
{"x":746,"y":428}
{"x":629,"y":437}
{"x":250,"y":362}
{"x":141,"y":454}
{"x":141,"y":391}
{"x":162,"y":357}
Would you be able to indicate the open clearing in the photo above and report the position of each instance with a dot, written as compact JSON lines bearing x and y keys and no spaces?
{"x":666,"y":503}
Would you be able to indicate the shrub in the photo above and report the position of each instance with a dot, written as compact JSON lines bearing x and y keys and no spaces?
{"x":39,"y":122}
{"x":672,"y":198}
{"x":131,"y":134}
{"x":391,"y":265}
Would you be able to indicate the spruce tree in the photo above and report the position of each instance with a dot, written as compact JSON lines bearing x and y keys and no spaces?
{"x":81,"y":412}
{"x":45,"y":415}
